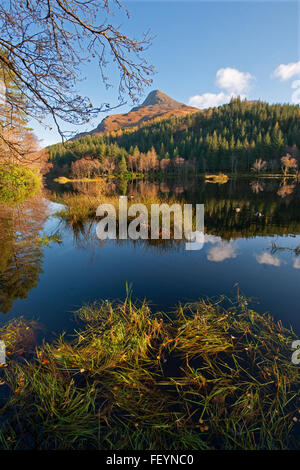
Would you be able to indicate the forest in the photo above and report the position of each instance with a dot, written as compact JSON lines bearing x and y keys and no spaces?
{"x":232,"y":137}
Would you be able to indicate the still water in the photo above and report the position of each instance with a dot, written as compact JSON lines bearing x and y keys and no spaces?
{"x":244,"y":251}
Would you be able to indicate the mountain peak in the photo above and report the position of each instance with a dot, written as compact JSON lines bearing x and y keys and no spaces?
{"x":157,"y":105}
{"x":158,"y":98}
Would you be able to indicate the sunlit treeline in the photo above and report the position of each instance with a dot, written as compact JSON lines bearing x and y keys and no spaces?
{"x":230,"y":138}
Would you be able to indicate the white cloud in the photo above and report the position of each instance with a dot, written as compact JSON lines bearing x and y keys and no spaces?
{"x":234,"y":81}
{"x":231,"y":81}
{"x":209,"y":100}
{"x":267,"y":258}
{"x":296,"y":264}
{"x":285,"y":72}
{"x":221,"y":252}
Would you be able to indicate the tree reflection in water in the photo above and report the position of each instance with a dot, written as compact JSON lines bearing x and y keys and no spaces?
{"x":21,"y":249}
{"x":265,"y":207}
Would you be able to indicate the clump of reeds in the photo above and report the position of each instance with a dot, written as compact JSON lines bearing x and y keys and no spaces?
{"x":204,"y":377}
{"x":80,"y":208}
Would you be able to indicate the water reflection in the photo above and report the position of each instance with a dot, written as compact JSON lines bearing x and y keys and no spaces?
{"x":240,"y":209}
{"x":237,"y":209}
{"x":221,"y":252}
{"x":252,"y":231}
{"x":267,"y":258}
{"x":297,"y":263}
{"x":257,"y":186}
{"x":286,"y":189}
{"x":21,"y":249}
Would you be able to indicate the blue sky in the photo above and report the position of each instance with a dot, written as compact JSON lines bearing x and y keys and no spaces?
{"x":204,"y":52}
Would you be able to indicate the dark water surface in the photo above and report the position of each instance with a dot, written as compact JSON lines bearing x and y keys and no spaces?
{"x":255,"y":254}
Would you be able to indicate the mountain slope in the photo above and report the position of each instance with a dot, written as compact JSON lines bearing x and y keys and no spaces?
{"x":156,"y":106}
{"x":227,"y":138}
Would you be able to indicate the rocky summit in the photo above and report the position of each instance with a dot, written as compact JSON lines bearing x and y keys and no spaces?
{"x":156,"y":106}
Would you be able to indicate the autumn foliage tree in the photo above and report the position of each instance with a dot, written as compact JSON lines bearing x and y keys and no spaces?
{"x":288,"y":163}
{"x":259,"y":165}
{"x":18,"y":145}
{"x":86,"y":168}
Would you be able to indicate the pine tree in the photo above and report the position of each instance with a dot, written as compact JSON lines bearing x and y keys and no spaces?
{"x":122,"y":166}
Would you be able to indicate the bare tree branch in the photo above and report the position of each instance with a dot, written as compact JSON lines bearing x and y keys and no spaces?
{"x":43,"y":44}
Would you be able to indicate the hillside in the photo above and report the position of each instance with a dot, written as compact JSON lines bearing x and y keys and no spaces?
{"x":229,"y":138}
{"x":156,"y":106}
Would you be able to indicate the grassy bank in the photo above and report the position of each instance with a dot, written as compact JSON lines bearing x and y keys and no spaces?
{"x":17,"y":183}
{"x":203,"y":378}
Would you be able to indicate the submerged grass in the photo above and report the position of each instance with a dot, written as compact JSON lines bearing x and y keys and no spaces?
{"x":204,"y":378}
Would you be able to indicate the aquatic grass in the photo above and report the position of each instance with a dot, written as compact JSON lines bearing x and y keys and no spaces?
{"x":127,"y":331}
{"x":47,"y":240}
{"x":248,"y":372}
{"x":82,"y":207}
{"x":276,"y":248}
{"x":58,"y":413}
{"x":79,"y":208}
{"x":202,"y":377}
{"x":19,"y":336}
